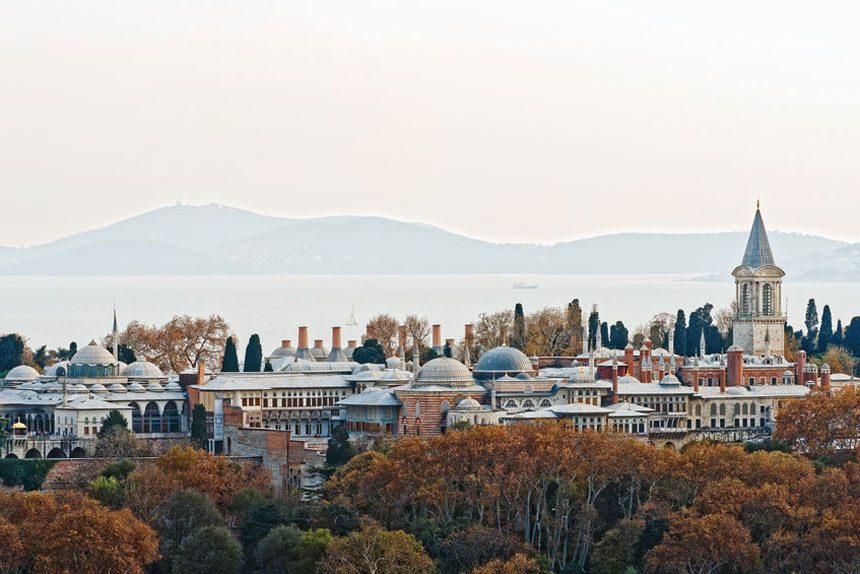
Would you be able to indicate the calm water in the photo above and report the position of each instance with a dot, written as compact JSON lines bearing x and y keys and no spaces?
{"x":56,"y":310}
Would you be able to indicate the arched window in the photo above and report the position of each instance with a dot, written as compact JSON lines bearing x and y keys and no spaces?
{"x":136,"y":419}
{"x":511,"y":404}
{"x":151,"y":418}
{"x":527,"y":404}
{"x":544,"y":404}
{"x":171,"y":418}
{"x":698,"y":410}
{"x":445,"y":407}
{"x":745,"y":298}
{"x":745,"y":409}
{"x":767,"y":299}
{"x":723,"y":409}
{"x":713,"y":410}
{"x":417,"y":409}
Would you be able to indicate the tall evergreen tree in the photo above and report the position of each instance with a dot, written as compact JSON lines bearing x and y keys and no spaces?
{"x":230,"y":363}
{"x":11,"y":351}
{"x":604,"y":334}
{"x":73,"y":349}
{"x":253,"y":355}
{"x":811,"y":323}
{"x":40,"y":357}
{"x":681,"y":333}
{"x":593,"y":326}
{"x":838,"y":334}
{"x":825,"y":333}
{"x":618,"y":336}
{"x":519,"y":337}
{"x":852,"y":337}
{"x":199,"y":428}
{"x":268,"y":368}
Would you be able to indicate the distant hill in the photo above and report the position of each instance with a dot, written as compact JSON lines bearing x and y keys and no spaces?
{"x":214,"y":239}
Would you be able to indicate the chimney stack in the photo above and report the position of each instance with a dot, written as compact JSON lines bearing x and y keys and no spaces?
{"x":696,"y":375}
{"x":614,"y":380}
{"x":303,"y":352}
{"x":336,"y":355}
{"x":734,"y":371}
{"x":437,"y":339}
{"x":286,"y":344}
{"x":201,"y":372}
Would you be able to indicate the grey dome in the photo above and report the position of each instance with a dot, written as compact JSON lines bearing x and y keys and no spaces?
{"x":153,"y":386}
{"x":142,"y":370}
{"x":283,"y":352}
{"x":54,"y":370}
{"x":670,"y":380}
{"x":135,"y":388}
{"x":469,"y":404}
{"x":98,"y":388}
{"x":22,"y":373}
{"x":444,"y":370}
{"x":502,"y":361}
{"x":737,"y":391}
{"x":173,"y":386}
{"x":117,"y":388}
{"x":93,"y":354}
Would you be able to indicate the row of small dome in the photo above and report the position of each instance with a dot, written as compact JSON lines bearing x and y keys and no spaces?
{"x":132,"y":387}
{"x":136,"y":370}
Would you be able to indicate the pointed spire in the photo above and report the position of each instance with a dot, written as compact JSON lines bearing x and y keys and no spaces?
{"x":415,"y":357}
{"x":758,"y":252}
{"x":115,"y":337}
{"x":702,"y":344}
{"x":467,"y":359}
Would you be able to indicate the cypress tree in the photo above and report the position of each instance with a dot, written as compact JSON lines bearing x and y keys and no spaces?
{"x":838,"y":334}
{"x":230,"y":363}
{"x":811,"y":323}
{"x":574,"y":325}
{"x":852,"y":337}
{"x":825,"y":333}
{"x":681,"y":333}
{"x":253,"y":355}
{"x":604,"y":334}
{"x":73,"y":349}
{"x":518,"y":337}
{"x":593,"y":326}
{"x":199,"y":428}
{"x":618,"y":336}
{"x":268,"y":368}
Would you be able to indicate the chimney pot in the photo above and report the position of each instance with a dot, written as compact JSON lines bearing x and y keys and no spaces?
{"x":335,"y":338}
{"x":303,"y":337}
{"x":437,"y":335}
{"x":286,"y":343}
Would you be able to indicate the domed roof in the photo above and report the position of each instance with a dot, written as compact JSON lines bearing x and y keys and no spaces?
{"x":503,"y":360}
{"x":117,"y":388}
{"x":173,"y":386}
{"x":135,"y":388}
{"x":581,"y":374}
{"x":143,"y":370}
{"x":283,"y":351}
{"x":670,"y":380}
{"x":737,"y":391}
{"x":444,"y":370}
{"x":93,"y":354}
{"x":98,"y":388}
{"x":469,"y":404}
{"x":628,"y":379}
{"x":22,"y":373}
{"x":51,"y":370}
{"x":78,"y":388}
{"x":153,"y":386}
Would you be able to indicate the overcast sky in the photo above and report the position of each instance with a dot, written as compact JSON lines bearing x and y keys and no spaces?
{"x":516,"y":121}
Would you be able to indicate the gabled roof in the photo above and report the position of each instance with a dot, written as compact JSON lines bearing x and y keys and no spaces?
{"x":758,"y":252}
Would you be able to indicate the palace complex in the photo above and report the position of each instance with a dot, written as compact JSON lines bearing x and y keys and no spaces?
{"x":649,"y":392}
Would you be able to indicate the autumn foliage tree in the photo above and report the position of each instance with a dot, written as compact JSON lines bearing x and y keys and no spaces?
{"x":819,"y":424}
{"x":180,"y":343}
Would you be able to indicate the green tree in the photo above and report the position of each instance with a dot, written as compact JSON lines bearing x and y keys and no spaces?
{"x":253,"y":355}
{"x":184,"y":512}
{"x":519,"y":337}
{"x":825,"y":333}
{"x":40,"y":357}
{"x":288,"y":550}
{"x":618,"y":336}
{"x":199,"y":427}
{"x":593,"y":326}
{"x":811,"y":323}
{"x":838,"y":334}
{"x":11,"y":351}
{"x":230,"y":362}
{"x":263,"y":516}
{"x":114,"y":420}
{"x":370,"y":352}
{"x":108,"y":491}
{"x":604,"y":334}
{"x":616,"y":551}
{"x":852,"y":337}
{"x":73,"y":349}
{"x":209,"y":550}
{"x":681,"y":333}
{"x":340,"y":450}
{"x":268,"y":368}
{"x":446,"y":350}
{"x":126,"y":354}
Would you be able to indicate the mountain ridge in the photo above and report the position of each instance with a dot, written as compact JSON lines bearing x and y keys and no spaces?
{"x":218,"y":239}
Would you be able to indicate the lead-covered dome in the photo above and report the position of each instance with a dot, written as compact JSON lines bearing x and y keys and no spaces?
{"x":502,"y":361}
{"x":22,"y":373}
{"x":143,"y":370}
{"x":444,"y":370}
{"x":93,"y":354}
{"x":469,"y":404}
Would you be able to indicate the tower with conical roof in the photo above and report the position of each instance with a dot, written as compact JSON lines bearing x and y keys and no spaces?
{"x":759,"y":322}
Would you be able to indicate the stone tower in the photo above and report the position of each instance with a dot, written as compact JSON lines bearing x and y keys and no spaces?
{"x":759,"y":322}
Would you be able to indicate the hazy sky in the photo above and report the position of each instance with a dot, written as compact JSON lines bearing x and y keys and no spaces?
{"x":518,"y":121}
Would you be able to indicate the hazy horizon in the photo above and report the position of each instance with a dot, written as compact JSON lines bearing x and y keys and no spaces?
{"x":500,"y":121}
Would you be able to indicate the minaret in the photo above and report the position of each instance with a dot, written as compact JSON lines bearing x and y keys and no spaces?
{"x":416,"y":356}
{"x":702,"y":344}
{"x":584,"y":341}
{"x":598,"y":339}
{"x":115,"y":338}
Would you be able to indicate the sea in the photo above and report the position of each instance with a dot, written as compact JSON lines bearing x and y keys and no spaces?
{"x":56,"y":310}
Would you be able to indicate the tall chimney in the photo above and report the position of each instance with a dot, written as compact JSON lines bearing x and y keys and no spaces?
{"x":470,"y":332}
{"x":302,"y":352}
{"x":336,"y":355}
{"x":201,"y":372}
{"x":614,"y":380}
{"x":696,"y":375}
{"x":286,"y":344}
{"x":437,"y":338}
{"x":735,"y":367}
{"x":800,"y":377}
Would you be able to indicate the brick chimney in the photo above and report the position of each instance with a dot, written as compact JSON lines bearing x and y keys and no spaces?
{"x":614,"y":381}
{"x":437,"y":338}
{"x":628,"y":359}
{"x":800,"y":376}
{"x":723,"y":376}
{"x":318,"y":343}
{"x":335,"y":338}
{"x":336,"y":355}
{"x":696,"y":375}
{"x":734,"y":372}
{"x":303,"y":337}
{"x":470,"y":333}
{"x":368,"y":332}
{"x":825,"y":378}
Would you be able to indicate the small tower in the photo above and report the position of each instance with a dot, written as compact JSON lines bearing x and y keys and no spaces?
{"x":115,"y":337}
{"x":758,"y":297}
